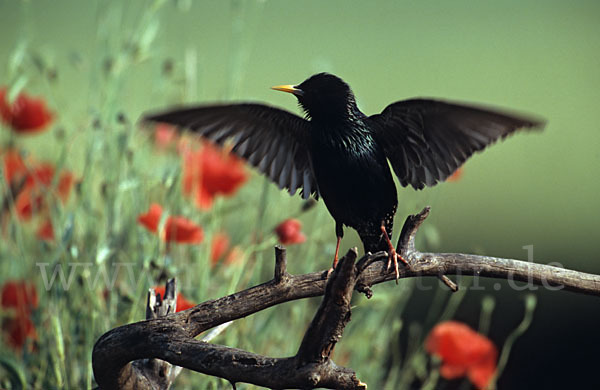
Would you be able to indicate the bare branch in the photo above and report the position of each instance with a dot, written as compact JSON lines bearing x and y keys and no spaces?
{"x":280,"y":264}
{"x":152,"y":373}
{"x":322,"y":334}
{"x":171,"y":338}
{"x":166,"y":340}
{"x":446,"y":280}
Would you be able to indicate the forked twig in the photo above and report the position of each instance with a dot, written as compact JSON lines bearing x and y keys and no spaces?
{"x":171,"y":338}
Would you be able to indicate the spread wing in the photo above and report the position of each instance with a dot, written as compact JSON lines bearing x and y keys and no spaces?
{"x":273,"y":140}
{"x":427,"y":140}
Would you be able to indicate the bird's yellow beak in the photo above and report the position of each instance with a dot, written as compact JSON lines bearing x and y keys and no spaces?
{"x":289,"y":89}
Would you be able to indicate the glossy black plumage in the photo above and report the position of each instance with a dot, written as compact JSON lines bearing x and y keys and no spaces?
{"x":341,"y":155}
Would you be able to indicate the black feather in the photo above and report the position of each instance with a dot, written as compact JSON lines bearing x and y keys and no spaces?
{"x":339,"y":153}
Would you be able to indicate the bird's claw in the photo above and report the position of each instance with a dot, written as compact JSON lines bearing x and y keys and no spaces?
{"x":393,"y":256}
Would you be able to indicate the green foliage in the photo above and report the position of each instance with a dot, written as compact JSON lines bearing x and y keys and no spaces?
{"x":108,"y":261}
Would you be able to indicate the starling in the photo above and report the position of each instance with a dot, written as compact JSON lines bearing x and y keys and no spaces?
{"x":340,"y":154}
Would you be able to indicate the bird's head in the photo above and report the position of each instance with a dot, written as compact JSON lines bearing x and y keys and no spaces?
{"x":322,"y":96}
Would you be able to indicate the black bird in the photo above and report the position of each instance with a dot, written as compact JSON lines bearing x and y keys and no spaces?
{"x":340,"y":154}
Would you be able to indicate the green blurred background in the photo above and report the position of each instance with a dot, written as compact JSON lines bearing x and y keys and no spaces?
{"x":537,"y":57}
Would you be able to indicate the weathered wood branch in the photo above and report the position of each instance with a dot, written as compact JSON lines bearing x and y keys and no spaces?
{"x":322,"y":334}
{"x":155,"y":373}
{"x":171,"y":338}
{"x":165,"y":339}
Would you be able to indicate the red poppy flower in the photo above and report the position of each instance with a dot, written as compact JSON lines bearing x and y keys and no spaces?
{"x":164,"y":135}
{"x":182,"y":302}
{"x":211,"y":171}
{"x":183,"y":230}
{"x":456,"y":176}
{"x":14,"y":166}
{"x":18,"y":329}
{"x":178,"y":229}
{"x":19,"y":294}
{"x":28,"y":202}
{"x":464,"y":352}
{"x":32,"y":183}
{"x":26,"y":114}
{"x":288,"y":232}
{"x":151,"y":219}
{"x":45,"y":231}
{"x":32,"y":198}
{"x":220,"y":244}
{"x":21,"y":297}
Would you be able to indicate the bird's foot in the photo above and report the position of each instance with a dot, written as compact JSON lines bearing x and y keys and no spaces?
{"x":393,"y":256}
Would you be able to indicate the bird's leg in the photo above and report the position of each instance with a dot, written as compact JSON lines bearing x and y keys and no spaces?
{"x":339,"y":232}
{"x":337,"y":252}
{"x":335,"y":257}
{"x":393,"y":256}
